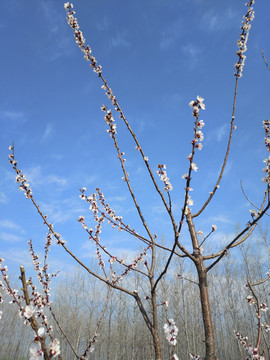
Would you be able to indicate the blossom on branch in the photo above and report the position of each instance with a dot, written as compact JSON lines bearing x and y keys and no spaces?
{"x":36,"y":352}
{"x":163,"y":177}
{"x":171,"y":331}
{"x":29,"y":311}
{"x":54,"y":348}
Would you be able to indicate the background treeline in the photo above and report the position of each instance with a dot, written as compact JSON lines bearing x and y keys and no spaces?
{"x":78,"y":300}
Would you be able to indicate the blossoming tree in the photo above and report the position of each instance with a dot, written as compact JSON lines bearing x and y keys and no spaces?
{"x":113,"y":269}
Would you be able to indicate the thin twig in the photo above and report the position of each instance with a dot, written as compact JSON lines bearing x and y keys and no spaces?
{"x":265,"y":61}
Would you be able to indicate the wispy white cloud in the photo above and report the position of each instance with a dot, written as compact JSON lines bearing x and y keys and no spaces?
{"x":3,"y":198}
{"x":36,"y":178}
{"x":8,"y":224}
{"x":55,"y":31}
{"x":57,"y":156}
{"x":61,"y":212}
{"x":102,"y":24}
{"x":192,"y":52}
{"x":119,"y":40}
{"x":223,"y":219}
{"x":117,"y":198}
{"x":47,"y":132}
{"x":12,"y":115}
{"x":56,"y":180}
{"x":17,"y":256}
{"x":218,"y":133}
{"x":11,"y":238}
{"x":171,"y":34}
{"x":218,"y":21}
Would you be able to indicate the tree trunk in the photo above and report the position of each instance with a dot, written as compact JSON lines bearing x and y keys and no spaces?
{"x":158,"y":353}
{"x":206,"y":312}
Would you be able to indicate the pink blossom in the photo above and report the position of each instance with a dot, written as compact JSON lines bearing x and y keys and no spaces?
{"x":36,"y":352}
{"x":54,"y":348}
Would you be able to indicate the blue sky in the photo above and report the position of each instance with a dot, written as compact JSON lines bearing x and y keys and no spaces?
{"x":157,"y":56}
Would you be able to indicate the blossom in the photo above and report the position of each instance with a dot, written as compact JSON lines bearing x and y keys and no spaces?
{"x":41,"y":332}
{"x":67,"y":5}
{"x":250,"y":299}
{"x":253,"y":213}
{"x":200,"y":102}
{"x":200,"y":233}
{"x":242,"y":42}
{"x":199,"y":135}
{"x":200,"y":124}
{"x":163,"y":176}
{"x":214,"y":227}
{"x":171,"y":331}
{"x":166,"y":303}
{"x":29,"y":311}
{"x":185,"y":176}
{"x":266,"y":327}
{"x":36,"y":352}
{"x":197,"y":105}
{"x":175,"y":357}
{"x":263,"y":307}
{"x":194,"y":167}
{"x":54,"y":348}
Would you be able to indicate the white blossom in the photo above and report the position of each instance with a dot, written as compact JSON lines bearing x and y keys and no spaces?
{"x":29,"y":311}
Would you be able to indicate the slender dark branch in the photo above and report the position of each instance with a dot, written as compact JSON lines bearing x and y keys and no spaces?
{"x":259,"y":317}
{"x":93,"y":339}
{"x":184,"y":278}
{"x":254,"y":222}
{"x":265,"y":61}
{"x":245,"y":195}
{"x":260,"y":282}
{"x":212,"y":193}
{"x":63,"y":333}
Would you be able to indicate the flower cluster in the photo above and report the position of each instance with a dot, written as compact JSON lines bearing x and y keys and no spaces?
{"x":109,"y":120}
{"x":116,"y":221}
{"x":171,"y":331}
{"x":105,"y":213}
{"x":252,"y":351}
{"x":250,"y":300}
{"x":86,"y":49}
{"x":36,"y":353}
{"x":24,"y":186}
{"x":80,"y":40}
{"x":242,"y":42}
{"x":43,"y":276}
{"x":266,"y":327}
{"x":131,"y":266}
{"x":266,"y":169}
{"x":163,"y":177}
{"x":6,"y":288}
{"x":263,"y":307}
{"x":196,"y":105}
{"x":33,"y":313}
{"x":20,"y":178}
{"x":54,"y":348}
